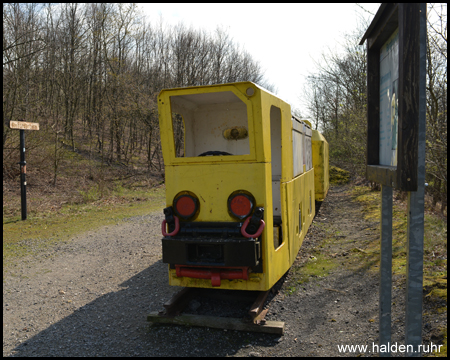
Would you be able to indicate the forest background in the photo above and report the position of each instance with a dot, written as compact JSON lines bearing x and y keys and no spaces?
{"x":89,"y":74}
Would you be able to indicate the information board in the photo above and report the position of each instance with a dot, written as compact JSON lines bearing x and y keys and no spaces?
{"x":389,"y":62}
{"x":392,"y":96}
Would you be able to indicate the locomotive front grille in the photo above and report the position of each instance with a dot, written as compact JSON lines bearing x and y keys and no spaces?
{"x":211,"y":244}
{"x":210,"y":251}
{"x":198,"y":253}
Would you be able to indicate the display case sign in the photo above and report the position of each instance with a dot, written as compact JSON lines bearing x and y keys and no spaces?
{"x":392,"y":96}
{"x":389,"y":101}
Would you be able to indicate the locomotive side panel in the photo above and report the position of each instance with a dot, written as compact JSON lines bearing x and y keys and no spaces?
{"x":300,"y":190}
{"x":301,"y":209}
{"x":320,"y":158}
{"x":276,"y":116}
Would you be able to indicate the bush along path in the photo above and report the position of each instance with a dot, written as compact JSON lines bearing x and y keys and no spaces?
{"x":90,"y":295}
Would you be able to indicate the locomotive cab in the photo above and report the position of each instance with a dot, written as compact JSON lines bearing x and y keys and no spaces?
{"x":239,"y":186}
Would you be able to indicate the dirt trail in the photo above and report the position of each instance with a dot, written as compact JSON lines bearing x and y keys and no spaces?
{"x":90,"y":296}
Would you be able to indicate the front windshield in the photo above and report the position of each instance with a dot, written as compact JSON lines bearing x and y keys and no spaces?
{"x":209,"y":124}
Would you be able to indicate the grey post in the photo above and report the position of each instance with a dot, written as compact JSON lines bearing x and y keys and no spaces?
{"x":414,"y":280}
{"x":385,"y":268}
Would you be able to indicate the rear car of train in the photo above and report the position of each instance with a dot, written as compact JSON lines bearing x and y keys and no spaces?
{"x":218,"y":228}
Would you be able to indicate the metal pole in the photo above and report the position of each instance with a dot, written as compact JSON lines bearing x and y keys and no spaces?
{"x":23,"y":172}
{"x":385,"y":270}
{"x":414,"y":280}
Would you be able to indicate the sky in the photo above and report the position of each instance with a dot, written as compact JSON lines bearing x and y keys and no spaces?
{"x":286,"y":39}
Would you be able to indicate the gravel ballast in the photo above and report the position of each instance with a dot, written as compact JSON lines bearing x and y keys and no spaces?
{"x":90,"y":296}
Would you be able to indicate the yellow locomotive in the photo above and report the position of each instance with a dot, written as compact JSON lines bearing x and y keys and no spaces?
{"x":241,"y":188}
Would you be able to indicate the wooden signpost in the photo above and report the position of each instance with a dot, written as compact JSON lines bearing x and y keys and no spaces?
{"x":396,"y":105}
{"x":22,"y":126}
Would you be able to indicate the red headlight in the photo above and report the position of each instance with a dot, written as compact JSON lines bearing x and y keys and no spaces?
{"x":185,"y":206}
{"x":240,"y":204}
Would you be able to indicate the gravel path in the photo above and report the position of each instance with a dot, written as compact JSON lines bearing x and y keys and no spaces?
{"x":90,"y":296}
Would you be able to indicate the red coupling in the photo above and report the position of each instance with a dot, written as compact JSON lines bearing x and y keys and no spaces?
{"x":215,"y":274}
{"x":262,"y":224}
{"x":173,"y":233}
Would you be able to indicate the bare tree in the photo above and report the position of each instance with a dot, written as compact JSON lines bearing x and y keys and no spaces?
{"x":436,"y":143}
{"x":91,"y":73}
{"x":336,"y":100}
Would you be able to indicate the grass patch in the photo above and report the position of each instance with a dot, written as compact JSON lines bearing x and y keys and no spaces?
{"x":339,"y":176}
{"x":443,"y":349}
{"x":439,"y":293}
{"x":435,"y":241}
{"x":434,"y":252}
{"x":291,"y":290}
{"x":38,"y":232}
{"x":317,"y":266}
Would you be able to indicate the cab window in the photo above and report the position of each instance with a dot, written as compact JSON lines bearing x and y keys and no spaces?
{"x":209,"y":124}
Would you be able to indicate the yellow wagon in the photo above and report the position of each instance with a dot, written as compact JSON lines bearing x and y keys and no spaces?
{"x":239,"y":185}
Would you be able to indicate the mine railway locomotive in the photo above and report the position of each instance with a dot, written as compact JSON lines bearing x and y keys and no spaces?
{"x":242,"y":177}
